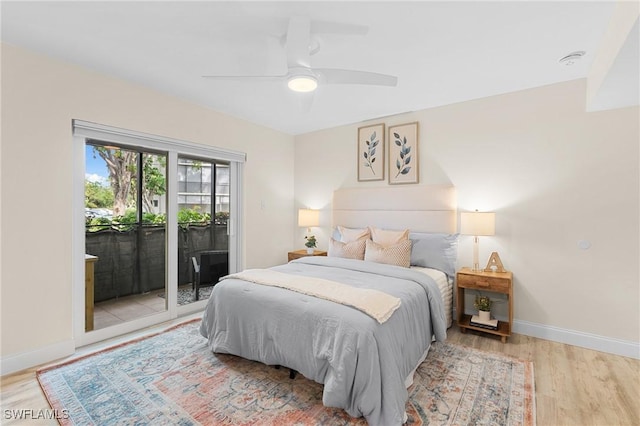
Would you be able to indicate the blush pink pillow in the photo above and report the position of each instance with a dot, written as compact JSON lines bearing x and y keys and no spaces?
{"x":352,"y":250}
{"x":348,"y":235}
{"x":397,"y":254}
{"x":388,"y":238}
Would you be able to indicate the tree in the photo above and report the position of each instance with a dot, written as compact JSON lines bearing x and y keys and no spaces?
{"x":97,"y":196}
{"x":122,"y":167}
{"x":154,"y":181}
{"x":122,"y":170}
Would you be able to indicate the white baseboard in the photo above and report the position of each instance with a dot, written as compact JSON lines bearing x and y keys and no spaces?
{"x":578,"y":338}
{"x":12,"y":363}
{"x":572,"y":337}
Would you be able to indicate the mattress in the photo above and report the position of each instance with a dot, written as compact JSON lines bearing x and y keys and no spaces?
{"x":445,"y":287}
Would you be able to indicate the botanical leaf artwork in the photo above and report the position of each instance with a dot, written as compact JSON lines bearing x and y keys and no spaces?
{"x":402,"y":163}
{"x":370,"y":153}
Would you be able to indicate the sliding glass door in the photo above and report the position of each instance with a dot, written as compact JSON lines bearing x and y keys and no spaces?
{"x":155,"y":225}
{"x":203,"y":219}
{"x":125,"y":234}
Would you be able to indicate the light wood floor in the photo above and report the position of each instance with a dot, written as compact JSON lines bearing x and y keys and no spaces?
{"x":574,"y":386}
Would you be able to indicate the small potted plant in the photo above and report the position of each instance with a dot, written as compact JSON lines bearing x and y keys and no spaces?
{"x":483,"y":305}
{"x":310,"y":244}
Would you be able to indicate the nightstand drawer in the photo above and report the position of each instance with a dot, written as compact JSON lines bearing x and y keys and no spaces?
{"x":483,"y":283}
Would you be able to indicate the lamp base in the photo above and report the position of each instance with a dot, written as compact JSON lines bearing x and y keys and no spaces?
{"x":476,"y":262}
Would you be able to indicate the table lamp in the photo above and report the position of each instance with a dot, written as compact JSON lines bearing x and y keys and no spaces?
{"x":477,"y":224}
{"x":308,"y":218}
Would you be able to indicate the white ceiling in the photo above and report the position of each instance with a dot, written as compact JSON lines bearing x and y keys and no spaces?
{"x":441,"y":52}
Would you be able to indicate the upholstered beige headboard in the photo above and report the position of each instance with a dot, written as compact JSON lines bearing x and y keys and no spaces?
{"x":421,"y":208}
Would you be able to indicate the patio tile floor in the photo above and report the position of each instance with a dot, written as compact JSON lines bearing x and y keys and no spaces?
{"x":123,"y":309}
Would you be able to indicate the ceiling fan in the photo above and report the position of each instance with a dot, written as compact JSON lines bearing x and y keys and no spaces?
{"x":301,"y":76}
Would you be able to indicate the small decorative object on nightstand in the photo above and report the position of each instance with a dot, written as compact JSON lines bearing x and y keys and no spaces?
{"x":310,"y":244}
{"x":302,"y":253}
{"x":494,"y":264}
{"x":493,"y":282}
{"x":483,"y":305}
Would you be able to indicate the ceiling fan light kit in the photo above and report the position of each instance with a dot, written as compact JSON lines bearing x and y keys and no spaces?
{"x":302,"y":83}
{"x":299,"y":45}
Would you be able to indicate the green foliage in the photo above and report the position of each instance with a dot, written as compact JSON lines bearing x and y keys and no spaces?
{"x":97,"y":223}
{"x":155,"y":219}
{"x":130,"y":217}
{"x":311,"y":241}
{"x":129,"y":220}
{"x":222,"y":218}
{"x":193,"y":216}
{"x":154,"y":181}
{"x":97,"y":196}
{"x":482,"y":303}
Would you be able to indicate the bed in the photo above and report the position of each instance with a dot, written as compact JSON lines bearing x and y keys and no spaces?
{"x":365,"y":361}
{"x":445,"y":287}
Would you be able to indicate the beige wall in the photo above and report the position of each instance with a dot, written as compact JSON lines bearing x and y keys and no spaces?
{"x":40,"y":97}
{"x":553,"y":174}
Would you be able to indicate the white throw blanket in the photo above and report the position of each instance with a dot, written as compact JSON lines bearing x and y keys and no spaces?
{"x":375,"y":303}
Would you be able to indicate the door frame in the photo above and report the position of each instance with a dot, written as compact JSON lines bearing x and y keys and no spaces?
{"x":83,"y":131}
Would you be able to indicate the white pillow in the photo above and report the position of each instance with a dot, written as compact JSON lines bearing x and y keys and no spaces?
{"x":352,"y":250}
{"x":398,"y":254}
{"x":348,"y":235}
{"x":388,"y":238}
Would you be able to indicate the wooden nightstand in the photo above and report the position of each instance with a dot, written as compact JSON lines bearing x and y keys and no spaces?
{"x":302,"y":253}
{"x":496,"y":282}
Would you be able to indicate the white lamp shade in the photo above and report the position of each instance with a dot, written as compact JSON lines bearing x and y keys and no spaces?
{"x":308,"y":218}
{"x":477,"y":223}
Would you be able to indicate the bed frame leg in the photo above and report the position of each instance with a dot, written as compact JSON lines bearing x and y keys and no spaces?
{"x":292,"y":372}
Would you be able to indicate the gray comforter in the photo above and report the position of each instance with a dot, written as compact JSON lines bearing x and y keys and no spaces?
{"x":362,"y":364}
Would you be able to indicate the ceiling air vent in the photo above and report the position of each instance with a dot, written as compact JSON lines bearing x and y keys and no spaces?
{"x":572,"y":58}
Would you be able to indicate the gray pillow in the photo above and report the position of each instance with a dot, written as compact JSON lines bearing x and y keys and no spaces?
{"x":434,"y":250}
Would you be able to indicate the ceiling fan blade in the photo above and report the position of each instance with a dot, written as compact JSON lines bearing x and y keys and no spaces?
{"x":297,"y":44}
{"x":247,"y":77}
{"x":325,"y":27}
{"x":340,"y":76}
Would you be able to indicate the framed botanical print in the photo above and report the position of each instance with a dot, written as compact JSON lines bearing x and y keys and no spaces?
{"x":371,"y":152}
{"x":403,"y":153}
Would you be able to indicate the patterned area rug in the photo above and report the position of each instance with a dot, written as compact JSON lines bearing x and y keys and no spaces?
{"x":172,"y":378}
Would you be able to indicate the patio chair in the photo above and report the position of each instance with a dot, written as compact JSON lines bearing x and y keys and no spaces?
{"x":213,"y":264}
